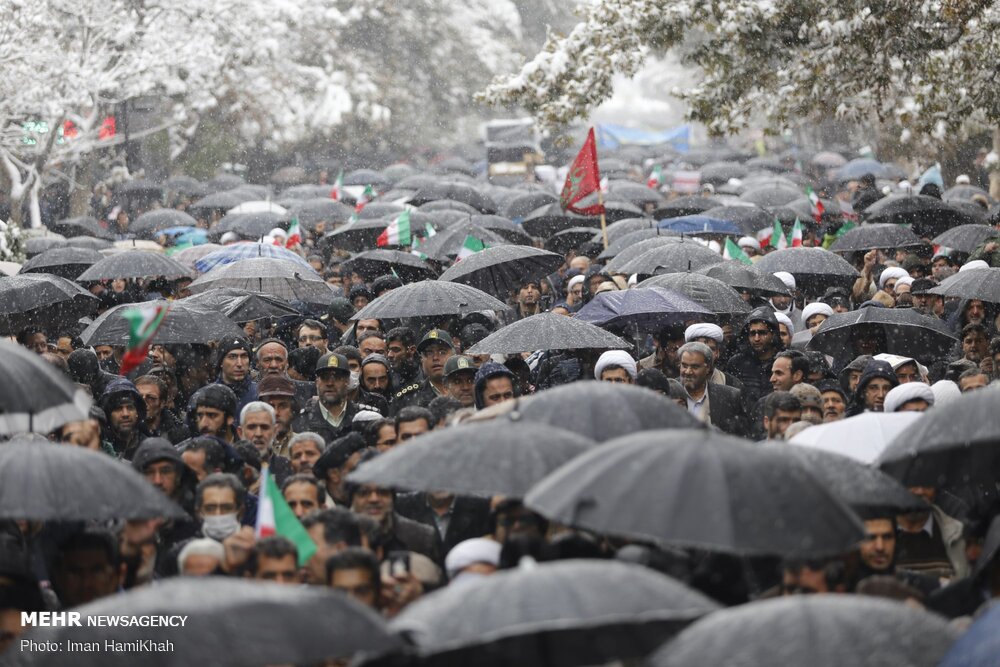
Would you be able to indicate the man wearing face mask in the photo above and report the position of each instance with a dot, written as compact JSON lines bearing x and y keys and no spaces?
{"x":356,"y":393}
{"x":219,"y":505}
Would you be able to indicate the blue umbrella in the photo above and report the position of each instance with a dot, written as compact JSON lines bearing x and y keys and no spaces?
{"x":979,"y":646}
{"x":643,"y":308}
{"x":192,"y":235}
{"x":858,"y":167}
{"x":237,"y":251}
{"x":700,"y":224}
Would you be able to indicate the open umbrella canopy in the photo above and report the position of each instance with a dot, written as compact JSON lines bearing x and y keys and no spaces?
{"x":964,"y":193}
{"x":240,"y":305}
{"x":503,"y":456}
{"x":39,"y":244}
{"x":750,"y":219}
{"x":559,"y":614}
{"x":150,"y":222}
{"x":858,"y":167}
{"x":602,"y":410}
{"x":250,"y":225}
{"x":357,"y":235}
{"x":41,"y":481}
{"x":622,"y":227}
{"x":366,"y":177}
{"x":814,"y":630}
{"x":503,"y":268}
{"x":374,"y":263}
{"x":184,"y":323}
{"x":776,"y":194}
{"x":88,"y":242}
{"x":980,"y":645}
{"x":277,"y":277}
{"x":569,"y":239}
{"x":672,"y":258}
{"x":710,"y":293}
{"x":721,"y":172}
{"x":42,"y":300}
{"x":828,"y":160}
{"x":81,"y":226}
{"x":380,"y":209}
{"x":34,"y":395}
{"x":630,"y":246}
{"x":862,"y":437}
{"x":701,"y":225}
{"x":742,"y":277}
{"x":955,"y":443}
{"x":634,"y":193}
{"x":448,"y":205}
{"x":711,"y":491}
{"x":188,"y":256}
{"x":901,"y":331}
{"x":642,"y":308}
{"x":314,"y":210}
{"x":230,"y":622}
{"x":221,"y":200}
{"x":876,"y":235}
{"x":548,"y":331}
{"x":134,"y":264}
{"x":234,"y":252}
{"x":982,"y":284}
{"x":691,"y":205}
{"x":523,"y":204}
{"x":455,"y":190}
{"x":814,"y":269}
{"x":447,"y":243}
{"x":547,"y":220}
{"x":966,"y":238}
{"x":927,"y":216}
{"x":66,"y":262}
{"x":502,"y":226}
{"x":429,"y":298}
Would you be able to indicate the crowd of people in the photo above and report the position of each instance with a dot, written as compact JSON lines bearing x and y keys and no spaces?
{"x":314,"y":396}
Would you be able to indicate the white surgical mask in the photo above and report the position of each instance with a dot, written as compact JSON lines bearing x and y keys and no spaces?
{"x":220,"y":526}
{"x":355,"y":380}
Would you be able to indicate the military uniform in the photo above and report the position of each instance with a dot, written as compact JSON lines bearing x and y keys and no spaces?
{"x":415,"y":394}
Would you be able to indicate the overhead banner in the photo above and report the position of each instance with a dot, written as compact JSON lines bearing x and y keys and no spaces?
{"x":616,"y":136}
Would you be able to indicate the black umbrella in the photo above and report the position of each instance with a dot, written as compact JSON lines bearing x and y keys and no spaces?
{"x":183,"y":323}
{"x":42,"y":300}
{"x":672,"y":258}
{"x":81,"y":226}
{"x":503,"y":227}
{"x":955,"y":444}
{"x":548,"y":331}
{"x":569,"y":612}
{"x":429,"y":298}
{"x":310,"y":212}
{"x":447,"y":243}
{"x":68,"y":262}
{"x":802,"y":209}
{"x":640,"y":309}
{"x":454,"y":165}
{"x":250,"y":225}
{"x":525,"y":203}
{"x":745,"y":278}
{"x":34,"y":395}
{"x":140,"y":187}
{"x":814,"y":630}
{"x":814,"y":269}
{"x":240,"y":305}
{"x":602,"y":410}
{"x":151,"y":222}
{"x":690,"y":205}
{"x":380,"y":209}
{"x":367,"y":177}
{"x":711,"y":491}
{"x":630,"y":246}
{"x":718,"y":173}
{"x":380,"y":262}
{"x":767,"y":162}
{"x":621,"y":228}
{"x":863,"y":488}
{"x":38,"y":244}
{"x":982,"y":284}
{"x":900,"y":331}
{"x":134,"y":264}
{"x":503,"y":268}
{"x":750,"y":219}
{"x":548,"y":220}
{"x":711,"y":293}
{"x":448,"y":205}
{"x":229,"y":622}
{"x":299,"y":193}
{"x":878,"y":235}
{"x":569,"y":239}
{"x":186,"y":185}
{"x":88,"y":242}
{"x":223,"y":200}
{"x":634,"y":193}
{"x":614,"y":209}
{"x":502,"y":456}
{"x":928,"y":216}
{"x":964,"y":193}
{"x":458,"y":191}
{"x":416,"y":182}
{"x":357,"y":235}
{"x":776,"y":194}
{"x":966,"y":238}
{"x":42,"y":481}
{"x":277,"y":277}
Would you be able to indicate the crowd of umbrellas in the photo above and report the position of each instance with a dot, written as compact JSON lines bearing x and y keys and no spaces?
{"x":629,"y":523}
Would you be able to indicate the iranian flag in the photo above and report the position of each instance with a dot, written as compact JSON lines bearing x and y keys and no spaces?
{"x":366,"y":196}
{"x":397,"y":233}
{"x":778,"y":240}
{"x":275,"y":517}
{"x":733,"y":251}
{"x":294,"y":234}
{"x":144,"y":322}
{"x":415,"y":248}
{"x":338,"y":187}
{"x":817,"y":205}
{"x":471,"y":246}
{"x":655,"y":178}
{"x":797,"y":234}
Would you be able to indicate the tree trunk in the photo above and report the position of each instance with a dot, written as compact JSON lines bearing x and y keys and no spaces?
{"x":81,"y":187}
{"x":994,"y":172}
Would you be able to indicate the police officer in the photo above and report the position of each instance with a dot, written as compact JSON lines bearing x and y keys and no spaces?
{"x":460,"y":379}
{"x":435,"y":348}
{"x":332,"y":413}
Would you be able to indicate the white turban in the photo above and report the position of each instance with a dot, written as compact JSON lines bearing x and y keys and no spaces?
{"x":470,"y":552}
{"x":749,"y":242}
{"x":902,"y":394}
{"x":615,"y":358}
{"x":962,"y":179}
{"x":905,"y":280}
{"x":204,"y":546}
{"x":229,"y":237}
{"x":784,"y":319}
{"x":278,"y":231}
{"x":974,"y":265}
{"x":703,"y":330}
{"x":889,"y":273}
{"x":633,"y":280}
{"x":816,"y":308}
{"x":366,"y":416}
{"x":945,"y":391}
{"x":786,"y":277}
{"x":573,"y":282}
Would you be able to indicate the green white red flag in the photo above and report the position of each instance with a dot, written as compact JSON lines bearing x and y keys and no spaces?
{"x":294,"y":234}
{"x":366,"y":196}
{"x":397,"y":233}
{"x":817,"y":204}
{"x":796,"y":235}
{"x":655,"y":178}
{"x":471,"y":246}
{"x":144,"y":322}
{"x":778,"y":239}
{"x":733,"y":251}
{"x":337,"y":192}
{"x":275,"y":517}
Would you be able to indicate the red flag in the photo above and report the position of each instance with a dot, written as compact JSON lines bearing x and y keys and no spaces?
{"x":583,"y":179}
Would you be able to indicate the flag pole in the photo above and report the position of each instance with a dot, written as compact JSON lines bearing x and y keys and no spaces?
{"x":604,"y":223}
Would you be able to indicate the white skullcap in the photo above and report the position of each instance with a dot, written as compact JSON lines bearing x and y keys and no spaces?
{"x":749,"y":242}
{"x":945,"y":391}
{"x":470,"y":552}
{"x":784,"y":319}
{"x":891,"y":272}
{"x":276,"y":232}
{"x":204,"y":546}
{"x":573,"y":282}
{"x":895,"y":360}
{"x":633,"y":280}
{"x":902,"y":394}
{"x":615,"y":358}
{"x":974,"y":265}
{"x":714,"y":246}
{"x":366,"y":416}
{"x":905,"y":280}
{"x":786,"y":278}
{"x":962,"y":179}
{"x":703,"y":330}
{"x":230,"y":237}
{"x":816,"y":308}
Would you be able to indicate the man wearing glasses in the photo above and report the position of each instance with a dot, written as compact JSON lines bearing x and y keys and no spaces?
{"x":760,"y":343}
{"x":312,"y":332}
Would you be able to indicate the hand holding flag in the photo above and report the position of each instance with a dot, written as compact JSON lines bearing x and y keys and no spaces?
{"x":144,"y":322}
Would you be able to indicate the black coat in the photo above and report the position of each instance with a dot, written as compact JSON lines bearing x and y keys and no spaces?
{"x":409,"y":535}
{"x":470,"y":517}
{"x":727,"y":411}
{"x":311,"y":419}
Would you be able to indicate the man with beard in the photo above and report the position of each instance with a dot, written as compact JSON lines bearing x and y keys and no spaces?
{"x":212,"y":411}
{"x":376,"y":376}
{"x":401,"y":350}
{"x":712,"y":403}
{"x":460,"y":380}
{"x":126,"y":413}
{"x":665,"y":346}
{"x":528,"y":301}
{"x":752,"y":366}
{"x":279,"y":393}
{"x":834,"y":400}
{"x":232,"y":363}
{"x":333,"y":466}
{"x":331,"y":414}
{"x":257,"y":426}
{"x":159,"y":420}
{"x":435,"y":348}
{"x":272,"y":361}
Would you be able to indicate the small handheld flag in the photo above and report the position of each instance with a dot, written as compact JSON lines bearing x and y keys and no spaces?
{"x":275,"y":517}
{"x":338,"y":187}
{"x":144,"y":322}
